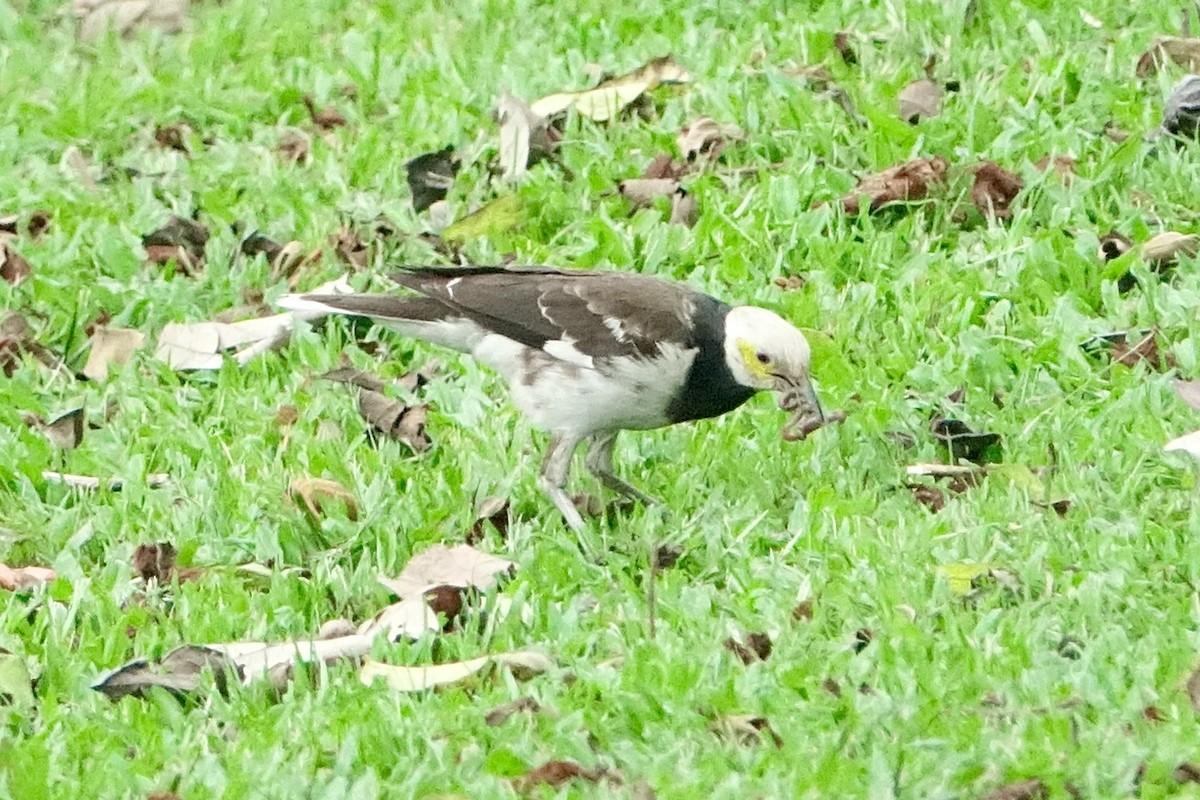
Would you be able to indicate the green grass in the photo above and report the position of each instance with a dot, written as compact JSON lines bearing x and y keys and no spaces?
{"x":909,"y":308}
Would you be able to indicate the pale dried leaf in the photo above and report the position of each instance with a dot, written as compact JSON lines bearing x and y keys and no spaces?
{"x":20,"y":578}
{"x":1184,"y":51}
{"x":643,"y":191}
{"x":66,"y":430}
{"x":401,"y":422}
{"x":606,"y":100}
{"x":523,"y":665}
{"x":685,"y":210}
{"x":315,"y":493}
{"x":153,"y":480}
{"x":461,"y":565}
{"x":921,"y":99}
{"x":126,"y":16}
{"x":1188,"y":443}
{"x":410,"y":618}
{"x":111,"y":346}
{"x":1167,"y":246}
{"x":202,"y":345}
{"x":524,"y":136}
{"x":704,"y":137}
{"x":14,"y":268}
{"x":180,"y":672}
{"x":258,"y":659}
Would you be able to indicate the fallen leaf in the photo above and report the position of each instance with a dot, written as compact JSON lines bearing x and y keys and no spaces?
{"x":663,"y":166}
{"x":430,"y":176}
{"x":1165,"y":248}
{"x":173,"y":137}
{"x":1031,"y":789}
{"x":1064,"y":166}
{"x":294,"y":146}
{"x":790,"y":283}
{"x":609,"y":97}
{"x":525,"y":137}
{"x":756,"y":648}
{"x":180,"y":672}
{"x":1115,"y":132}
{"x":921,"y":99}
{"x":902,"y":183}
{"x":181,"y":241}
{"x":841,"y":43}
{"x":928,"y":495}
{"x":803,"y":612}
{"x":66,"y":430}
{"x":501,"y":714}
{"x":493,"y":510}
{"x":559,"y":773}
{"x":410,"y":618}
{"x":1184,"y":51}
{"x":324,"y":118}
{"x":125,"y":16}
{"x":643,"y":191}
{"x":316,"y":493}
{"x":462,"y":566}
{"x":395,"y":419}
{"x":202,"y":345}
{"x":962,"y":442}
{"x":499,"y":216}
{"x":1181,"y":112}
{"x":111,"y":347}
{"x":523,"y":665}
{"x":1145,"y":350}
{"x":14,"y":579}
{"x":14,"y":268}
{"x":666,"y":556}
{"x":705,"y":138}
{"x":350,"y":248}
{"x":831,"y":686}
{"x":10,"y":225}
{"x":16,"y":685}
{"x":994,"y":190}
{"x":156,"y":562}
{"x":745,"y":729}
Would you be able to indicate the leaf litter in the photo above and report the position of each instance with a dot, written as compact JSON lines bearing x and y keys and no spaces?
{"x":907,"y":182}
{"x":611,"y":96}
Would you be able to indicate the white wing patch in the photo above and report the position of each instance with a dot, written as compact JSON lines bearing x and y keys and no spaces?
{"x":564,"y":349}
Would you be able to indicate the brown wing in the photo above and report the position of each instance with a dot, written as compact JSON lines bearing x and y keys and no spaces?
{"x":601,"y":314}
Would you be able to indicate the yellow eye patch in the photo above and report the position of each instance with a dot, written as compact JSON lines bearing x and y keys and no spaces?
{"x":750,"y":358}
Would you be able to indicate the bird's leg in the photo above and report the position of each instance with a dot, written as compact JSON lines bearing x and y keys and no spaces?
{"x":599,"y":460}
{"x":555,"y":467}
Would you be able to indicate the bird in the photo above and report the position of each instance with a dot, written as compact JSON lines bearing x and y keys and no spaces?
{"x":589,"y":353}
{"x":1181,"y":113}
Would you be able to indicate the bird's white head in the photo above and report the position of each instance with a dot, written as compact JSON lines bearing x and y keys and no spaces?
{"x":765,"y":351}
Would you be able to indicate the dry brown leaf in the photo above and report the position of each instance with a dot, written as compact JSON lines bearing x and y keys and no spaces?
{"x":790,"y":282}
{"x":64,"y":431}
{"x":350,"y":248}
{"x":294,"y":146}
{"x":14,"y":268}
{"x":462,"y":566}
{"x":156,"y":562}
{"x":994,"y":190}
{"x":316,"y":493}
{"x":111,"y":346}
{"x":126,"y":16}
{"x":705,"y":138}
{"x":841,"y":43}
{"x":1031,"y":789}
{"x":928,"y":495}
{"x":1184,"y":51}
{"x":180,"y":240}
{"x":324,"y":118}
{"x":921,"y":99}
{"x":1144,"y":350}
{"x":1193,"y":689}
{"x":501,"y":714}
{"x":556,"y":774}
{"x":1064,"y":166}
{"x":1186,"y":772}
{"x":395,"y":419}
{"x":494,"y":510}
{"x":14,"y":579}
{"x":803,"y":612}
{"x":902,"y":183}
{"x":607,"y":99}
{"x":1165,"y":248}
{"x":173,"y":137}
{"x":757,"y":647}
{"x":663,"y":166}
{"x":525,"y":137}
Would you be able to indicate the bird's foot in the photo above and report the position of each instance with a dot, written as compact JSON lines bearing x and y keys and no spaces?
{"x":565,"y":505}
{"x":626,"y":490}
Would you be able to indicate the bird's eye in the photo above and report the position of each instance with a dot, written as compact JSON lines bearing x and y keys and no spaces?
{"x":763,"y":358}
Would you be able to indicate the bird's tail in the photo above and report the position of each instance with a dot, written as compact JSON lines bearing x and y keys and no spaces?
{"x":379,"y":307}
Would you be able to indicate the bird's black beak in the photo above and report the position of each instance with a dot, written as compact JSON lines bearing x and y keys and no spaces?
{"x":800,"y":398}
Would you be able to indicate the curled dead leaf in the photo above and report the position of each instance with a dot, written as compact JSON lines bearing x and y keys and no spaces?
{"x":180,"y":240}
{"x":1165,"y":248}
{"x":501,"y":714}
{"x":156,"y":562}
{"x":921,"y":99}
{"x":556,"y":774}
{"x":1183,"y":50}
{"x":902,"y":183}
{"x":19,"y":579}
{"x":14,"y":268}
{"x":124,"y":17}
{"x":317,"y":493}
{"x":685,"y":210}
{"x":111,"y":347}
{"x":705,"y":138}
{"x":395,"y":419}
{"x":745,"y":729}
{"x":994,"y":190}
{"x":294,"y":146}
{"x":611,"y":96}
{"x":326,"y":118}
{"x":643,"y":191}
{"x":522,"y":665}
{"x":461,"y":566}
